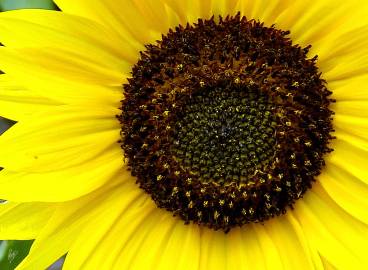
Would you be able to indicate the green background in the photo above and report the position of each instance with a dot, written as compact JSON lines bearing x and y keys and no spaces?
{"x":16,"y":4}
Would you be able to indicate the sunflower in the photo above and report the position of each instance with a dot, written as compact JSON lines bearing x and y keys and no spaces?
{"x":186,"y":134}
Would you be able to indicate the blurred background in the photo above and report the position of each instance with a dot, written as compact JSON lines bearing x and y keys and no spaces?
{"x":17,"y":4}
{"x":13,"y":252}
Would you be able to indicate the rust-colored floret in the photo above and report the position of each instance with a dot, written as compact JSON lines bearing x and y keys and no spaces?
{"x":225,"y":123}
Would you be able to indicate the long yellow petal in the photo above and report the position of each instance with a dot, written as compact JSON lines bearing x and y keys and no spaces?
{"x":357,"y":126}
{"x":58,"y":30}
{"x":243,"y":248}
{"x":223,"y":8}
{"x":308,"y":26}
{"x":267,"y":11}
{"x":345,"y":56}
{"x":60,"y":138}
{"x":303,"y":19}
{"x":213,"y":250}
{"x":352,"y":42}
{"x":350,"y":89}
{"x":150,"y":10}
{"x":126,"y":200}
{"x":20,"y":221}
{"x":291,"y":247}
{"x":355,"y":64}
{"x":248,"y":247}
{"x":181,"y":252}
{"x":346,"y":190}
{"x":65,"y":184}
{"x":189,"y":11}
{"x":69,"y":219}
{"x":124,"y":17}
{"x":339,"y":237}
{"x":272,"y":257}
{"x":132,"y":228}
{"x":309,"y":248}
{"x":349,"y":158}
{"x":238,"y":251}
{"x":16,"y":102}
{"x":155,"y":242}
{"x":61,"y":76}
{"x":355,"y":140}
{"x":358,"y":108}
{"x":252,"y":248}
{"x":327,"y":265}
{"x":351,"y":122}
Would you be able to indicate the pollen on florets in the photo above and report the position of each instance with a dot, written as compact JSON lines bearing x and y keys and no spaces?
{"x":225,"y":122}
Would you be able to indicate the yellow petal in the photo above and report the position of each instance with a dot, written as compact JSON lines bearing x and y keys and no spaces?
{"x":20,"y":221}
{"x":339,"y":237}
{"x":60,"y":138}
{"x":223,"y":8}
{"x":61,"y":76}
{"x":349,"y":158}
{"x":357,"y":108}
{"x":58,"y":30}
{"x":357,"y":126}
{"x":123,"y":17}
{"x":294,"y":12}
{"x":271,"y":255}
{"x":132,"y":229}
{"x":150,"y":10}
{"x":181,"y":251}
{"x":307,"y":26}
{"x":339,"y":36}
{"x":248,"y":247}
{"x":355,"y":140}
{"x":127,"y":200}
{"x":304,"y":241}
{"x":345,"y":57}
{"x":156,"y":235}
{"x":267,"y":11}
{"x":351,"y":122}
{"x":16,"y":102}
{"x":346,"y":190}
{"x":238,"y":250}
{"x":327,"y":265}
{"x":353,"y":64}
{"x":213,"y":250}
{"x":270,"y":11}
{"x":70,"y":219}
{"x":189,"y":11}
{"x":65,"y":184}
{"x":352,"y":42}
{"x":243,"y":249}
{"x":350,"y":89}
{"x":290,"y":244}
{"x":310,"y":27}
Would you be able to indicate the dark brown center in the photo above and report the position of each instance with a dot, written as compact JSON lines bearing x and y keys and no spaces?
{"x":225,"y":123}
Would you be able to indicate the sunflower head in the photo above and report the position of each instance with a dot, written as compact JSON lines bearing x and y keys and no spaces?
{"x":225,"y":123}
